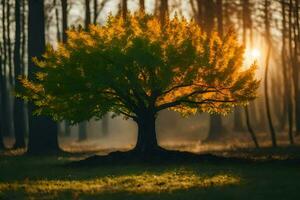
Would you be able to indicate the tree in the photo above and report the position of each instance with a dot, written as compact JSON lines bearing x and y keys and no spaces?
{"x":171,"y":66}
{"x":286,"y":72}
{"x":267,"y":101}
{"x":19,"y":117}
{"x":43,"y":131}
{"x":1,"y":119}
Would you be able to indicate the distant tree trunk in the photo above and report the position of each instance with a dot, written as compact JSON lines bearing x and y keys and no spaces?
{"x":219,"y":14}
{"x":287,"y":99}
{"x":1,"y":119}
{"x":246,"y":26}
{"x":82,"y":135}
{"x":295,"y":28}
{"x":58,"y":33}
{"x":64,"y":6}
{"x":105,"y":121}
{"x":95,"y":11}
{"x":87,"y":19}
{"x":9,"y":49}
{"x":124,"y":8}
{"x":43,"y":131}
{"x":249,"y":127}
{"x":267,"y":101}
{"x":64,"y":11}
{"x":163,"y":11}
{"x":19,"y":120}
{"x":142,"y":5}
{"x":4,"y":82}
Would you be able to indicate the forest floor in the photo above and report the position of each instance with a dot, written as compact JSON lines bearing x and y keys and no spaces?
{"x":267,"y":176}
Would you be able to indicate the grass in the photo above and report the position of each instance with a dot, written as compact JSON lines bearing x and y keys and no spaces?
{"x":25,"y":177}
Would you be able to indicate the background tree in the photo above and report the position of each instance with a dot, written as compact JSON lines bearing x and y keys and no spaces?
{"x":19,"y":117}
{"x":171,"y":66}
{"x":43,"y":131}
{"x":268,"y":42}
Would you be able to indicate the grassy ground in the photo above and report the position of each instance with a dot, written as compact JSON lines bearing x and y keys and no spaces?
{"x":24,"y":177}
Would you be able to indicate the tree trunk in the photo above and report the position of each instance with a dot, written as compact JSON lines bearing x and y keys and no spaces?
{"x":142,"y":5}
{"x":267,"y":101}
{"x":64,"y":6}
{"x":105,"y":121}
{"x":87,"y":19}
{"x":58,"y":33}
{"x":1,"y":119}
{"x":67,"y":128}
{"x":286,"y":72}
{"x":146,"y":141}
{"x":82,"y":131}
{"x":163,"y":11}
{"x":19,"y":121}
{"x":124,"y":8}
{"x":216,"y":129}
{"x":43,"y":131}
{"x":5,"y":115}
{"x":252,"y":133}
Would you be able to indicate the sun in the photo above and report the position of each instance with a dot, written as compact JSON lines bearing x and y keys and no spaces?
{"x":253,"y":54}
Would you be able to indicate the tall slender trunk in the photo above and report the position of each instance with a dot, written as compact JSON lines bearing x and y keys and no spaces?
{"x":1,"y":119}
{"x":296,"y":71}
{"x":19,"y":121}
{"x":64,"y":6}
{"x":124,"y":8}
{"x":4,"y":82}
{"x":246,"y":26}
{"x":43,"y":131}
{"x":285,"y":71}
{"x":87,"y":19}
{"x":266,"y":77}
{"x":142,"y":5}
{"x":163,"y":11}
{"x":267,"y":101}
{"x":9,"y":48}
{"x":95,"y":11}
{"x":58,"y":33}
{"x":249,"y":127}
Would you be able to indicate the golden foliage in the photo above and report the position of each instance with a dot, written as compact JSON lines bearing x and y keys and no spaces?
{"x":124,"y":64}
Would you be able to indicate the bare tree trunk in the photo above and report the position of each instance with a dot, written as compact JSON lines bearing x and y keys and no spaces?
{"x":87,"y":19}
{"x":95,"y":11}
{"x":246,"y":26}
{"x":19,"y":120}
{"x":105,"y":124}
{"x":252,"y":133}
{"x":163,"y":11}
{"x":142,"y":5}
{"x":4,"y":82}
{"x":296,"y":65}
{"x":9,"y":48}
{"x":58,"y":33}
{"x":43,"y":131}
{"x":82,"y":135}
{"x":64,"y":6}
{"x":1,"y":116}
{"x":285,"y":71}
{"x":124,"y":8}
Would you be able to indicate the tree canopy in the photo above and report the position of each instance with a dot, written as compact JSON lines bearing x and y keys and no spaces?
{"x":136,"y":65}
